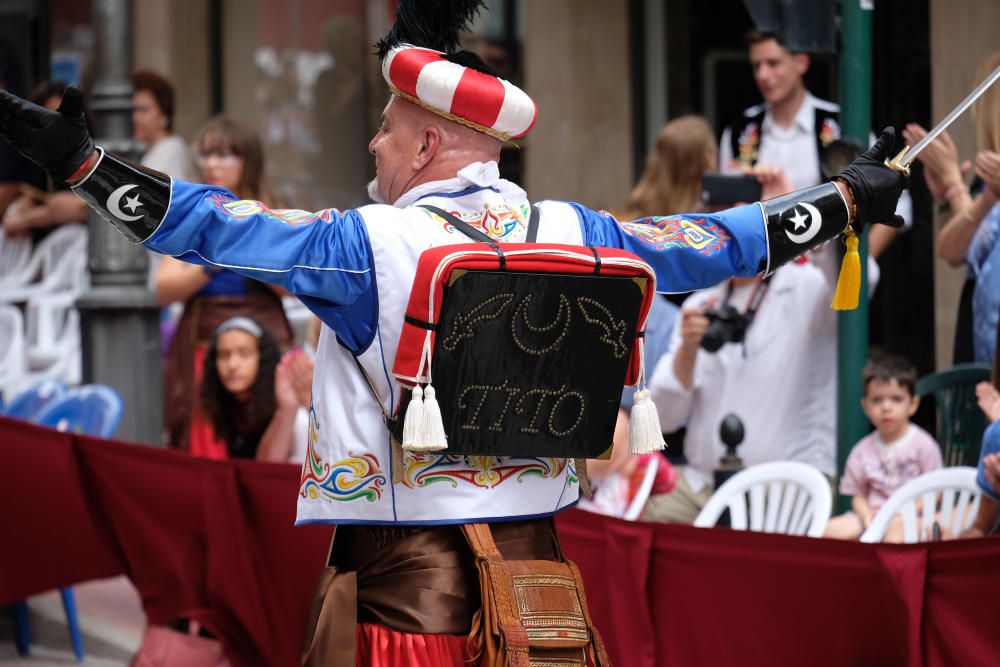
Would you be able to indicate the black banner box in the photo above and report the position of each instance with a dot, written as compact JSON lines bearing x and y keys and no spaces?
{"x":529,"y":364}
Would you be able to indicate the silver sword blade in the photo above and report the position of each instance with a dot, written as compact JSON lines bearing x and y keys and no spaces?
{"x":911,"y":154}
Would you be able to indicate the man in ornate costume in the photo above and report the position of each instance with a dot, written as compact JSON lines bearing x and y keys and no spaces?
{"x":400,"y":568}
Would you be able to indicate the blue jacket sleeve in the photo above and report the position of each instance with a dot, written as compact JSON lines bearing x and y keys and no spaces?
{"x":687,"y":252}
{"x":323,"y":258}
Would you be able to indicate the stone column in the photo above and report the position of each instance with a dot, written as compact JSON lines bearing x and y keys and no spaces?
{"x":119,"y":318}
{"x":578,"y":73}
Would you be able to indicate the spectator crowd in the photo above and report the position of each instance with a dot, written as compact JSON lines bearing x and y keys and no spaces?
{"x":236,"y":379}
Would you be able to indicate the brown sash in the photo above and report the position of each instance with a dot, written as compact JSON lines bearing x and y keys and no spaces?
{"x":332,"y":622}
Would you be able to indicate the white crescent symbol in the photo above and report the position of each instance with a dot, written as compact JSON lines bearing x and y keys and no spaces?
{"x":115,"y":200}
{"x":815,"y":222}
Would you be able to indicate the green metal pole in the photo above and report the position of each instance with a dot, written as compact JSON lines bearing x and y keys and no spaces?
{"x":855,"y":103}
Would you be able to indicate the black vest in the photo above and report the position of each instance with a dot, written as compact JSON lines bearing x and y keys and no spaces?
{"x":745,"y":134}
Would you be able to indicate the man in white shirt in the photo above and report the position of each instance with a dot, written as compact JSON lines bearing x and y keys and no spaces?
{"x":780,"y":380}
{"x":791,"y":128}
{"x":774,"y":381}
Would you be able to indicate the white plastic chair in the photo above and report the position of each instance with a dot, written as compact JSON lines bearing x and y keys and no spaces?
{"x":12,"y":355}
{"x":47,"y":314}
{"x":645,"y":488}
{"x":57,"y":260}
{"x":959,"y":501}
{"x":780,"y":497}
{"x":15,"y":253}
{"x":64,"y":360}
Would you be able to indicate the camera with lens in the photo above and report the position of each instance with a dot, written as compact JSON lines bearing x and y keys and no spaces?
{"x":726,"y":325}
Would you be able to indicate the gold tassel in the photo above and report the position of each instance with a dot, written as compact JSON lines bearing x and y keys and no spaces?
{"x":849,"y":281}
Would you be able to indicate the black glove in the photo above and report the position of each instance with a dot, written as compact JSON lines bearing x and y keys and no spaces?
{"x":57,"y":141}
{"x":876,"y":187}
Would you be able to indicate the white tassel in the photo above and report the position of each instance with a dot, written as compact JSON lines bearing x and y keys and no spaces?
{"x":414,"y":421}
{"x":644,"y":435}
{"x":432,"y":435}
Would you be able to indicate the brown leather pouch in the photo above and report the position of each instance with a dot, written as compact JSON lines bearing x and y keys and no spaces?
{"x":534,"y":611}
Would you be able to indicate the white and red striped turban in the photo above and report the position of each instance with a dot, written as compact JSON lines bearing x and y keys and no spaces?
{"x":478,"y":100}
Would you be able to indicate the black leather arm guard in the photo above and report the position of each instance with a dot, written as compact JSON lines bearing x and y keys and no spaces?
{"x":803,"y":220}
{"x":132,"y":198}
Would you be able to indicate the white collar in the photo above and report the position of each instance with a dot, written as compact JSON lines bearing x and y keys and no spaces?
{"x":477,"y":174}
{"x":805,"y":117}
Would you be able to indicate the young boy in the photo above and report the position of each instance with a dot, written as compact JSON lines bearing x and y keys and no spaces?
{"x":896,"y":452}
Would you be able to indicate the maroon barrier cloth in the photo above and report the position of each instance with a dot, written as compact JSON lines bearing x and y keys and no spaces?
{"x":720,"y":597}
{"x":215,"y":541}
{"x":211,"y":540}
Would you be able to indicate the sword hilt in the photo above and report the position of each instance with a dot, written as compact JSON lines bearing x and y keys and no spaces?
{"x":897,"y":163}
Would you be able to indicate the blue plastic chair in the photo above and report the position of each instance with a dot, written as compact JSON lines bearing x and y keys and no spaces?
{"x":88,"y":410}
{"x":32,"y":402}
{"x":93,"y":409}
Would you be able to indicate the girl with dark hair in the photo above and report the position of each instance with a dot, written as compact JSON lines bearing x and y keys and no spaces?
{"x":251,"y":406}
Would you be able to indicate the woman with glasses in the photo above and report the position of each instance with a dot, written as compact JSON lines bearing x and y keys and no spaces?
{"x":229,"y":155}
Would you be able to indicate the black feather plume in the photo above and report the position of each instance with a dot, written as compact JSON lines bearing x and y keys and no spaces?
{"x":432,"y":24}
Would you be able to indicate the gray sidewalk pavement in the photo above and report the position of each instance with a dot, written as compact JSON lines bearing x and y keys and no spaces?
{"x":111,"y":620}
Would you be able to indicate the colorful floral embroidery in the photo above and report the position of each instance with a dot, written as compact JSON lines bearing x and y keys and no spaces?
{"x":350,"y":479}
{"x":496,"y":221}
{"x":677,"y":232}
{"x":829,"y":132}
{"x":484,"y":472}
{"x":749,"y":142}
{"x":244,"y":208}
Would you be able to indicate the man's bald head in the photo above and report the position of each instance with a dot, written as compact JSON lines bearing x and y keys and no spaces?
{"x":415,"y":146}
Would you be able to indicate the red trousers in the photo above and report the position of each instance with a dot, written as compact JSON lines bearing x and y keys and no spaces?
{"x":379,"y":646}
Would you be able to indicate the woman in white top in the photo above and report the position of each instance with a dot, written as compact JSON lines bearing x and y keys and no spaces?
{"x":153,"y":124}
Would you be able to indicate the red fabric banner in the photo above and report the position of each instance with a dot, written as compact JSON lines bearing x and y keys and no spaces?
{"x":214,"y":540}
{"x":210,"y":540}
